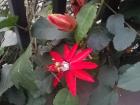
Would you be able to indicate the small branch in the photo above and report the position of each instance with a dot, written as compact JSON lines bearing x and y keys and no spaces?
{"x":23,"y":28}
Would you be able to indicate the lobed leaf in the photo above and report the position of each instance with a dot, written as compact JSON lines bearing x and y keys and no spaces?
{"x":124,"y":38}
{"x":98,"y":38}
{"x":115,"y":23}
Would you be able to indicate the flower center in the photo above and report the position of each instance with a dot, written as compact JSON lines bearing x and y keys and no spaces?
{"x":64,"y":66}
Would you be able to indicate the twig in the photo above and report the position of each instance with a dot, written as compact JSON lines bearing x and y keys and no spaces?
{"x":100,"y":8}
{"x":25,"y":29}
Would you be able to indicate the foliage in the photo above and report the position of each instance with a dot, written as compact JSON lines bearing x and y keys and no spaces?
{"x":103,"y":96}
{"x":65,"y":98}
{"x":85,"y":19}
{"x":111,"y":33}
{"x":8,"y":22}
{"x":1,"y":51}
{"x":22,"y":71}
{"x":36,"y":101}
{"x":115,"y":25}
{"x":111,"y":75}
{"x":98,"y":38}
{"x":6,"y":81}
{"x":129,"y":80}
{"x":42,"y":29}
{"x":15,"y":96}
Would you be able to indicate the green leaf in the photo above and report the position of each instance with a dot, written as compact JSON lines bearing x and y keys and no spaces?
{"x":8,"y":22}
{"x":22,"y":72}
{"x":6,"y":81}
{"x":103,"y":96}
{"x":43,"y":81}
{"x":45,"y":85}
{"x":123,"y":68}
{"x":84,"y":91}
{"x":16,"y":97}
{"x":115,"y":23}
{"x":108,"y":76}
{"x":39,"y":71}
{"x":1,"y":51}
{"x":43,"y":30}
{"x":130,"y":80}
{"x":65,"y":98}
{"x":85,"y":19}
{"x":124,"y":38}
{"x":36,"y":101}
{"x":98,"y":38}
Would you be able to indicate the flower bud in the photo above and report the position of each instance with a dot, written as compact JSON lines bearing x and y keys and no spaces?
{"x":62,"y":22}
{"x":77,"y":5}
{"x":81,"y":2}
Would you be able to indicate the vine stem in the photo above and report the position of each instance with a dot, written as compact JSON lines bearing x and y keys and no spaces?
{"x":101,"y":6}
{"x":125,"y":21}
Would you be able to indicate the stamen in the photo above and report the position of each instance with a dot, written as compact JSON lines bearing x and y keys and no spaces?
{"x":64,"y":66}
{"x":57,"y":64}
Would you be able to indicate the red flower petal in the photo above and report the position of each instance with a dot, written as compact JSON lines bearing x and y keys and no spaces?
{"x":57,"y":79}
{"x":83,"y":75}
{"x":58,"y":20}
{"x":71,"y":82}
{"x":81,"y":56}
{"x":66,"y":52}
{"x":56,"y":56}
{"x":52,"y":68}
{"x":73,"y":51}
{"x":83,"y":65}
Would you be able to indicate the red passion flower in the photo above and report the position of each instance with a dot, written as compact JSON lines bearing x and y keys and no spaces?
{"x":71,"y":65}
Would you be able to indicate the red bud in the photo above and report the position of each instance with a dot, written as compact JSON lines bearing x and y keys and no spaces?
{"x":81,"y":2}
{"x":63,"y":22}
